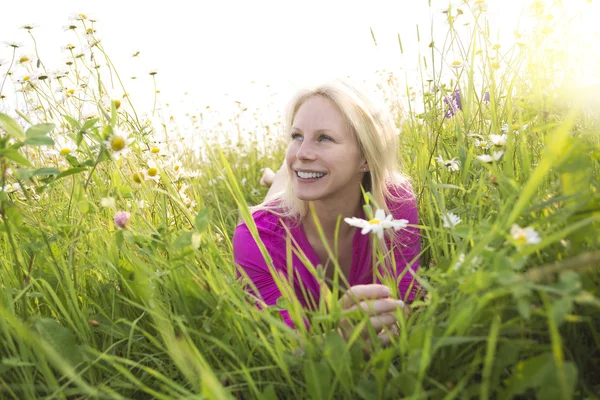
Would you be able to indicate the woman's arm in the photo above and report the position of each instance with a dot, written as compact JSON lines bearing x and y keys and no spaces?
{"x":274,"y":180}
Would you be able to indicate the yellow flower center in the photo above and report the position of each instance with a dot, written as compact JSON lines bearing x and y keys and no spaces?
{"x":26,"y":78}
{"x":152,"y":172}
{"x":64,"y":151}
{"x":23,"y":59}
{"x":117,"y":103}
{"x":117,"y":144}
{"x":516,"y":127}
{"x":70,"y":92}
{"x":521,"y":238}
{"x":176,"y":168}
{"x":154,"y":150}
{"x":137,"y":177}
{"x":374,"y":221}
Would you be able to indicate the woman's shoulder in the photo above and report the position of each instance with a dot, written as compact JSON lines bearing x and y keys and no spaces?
{"x":268,"y":221}
{"x":401,"y":201}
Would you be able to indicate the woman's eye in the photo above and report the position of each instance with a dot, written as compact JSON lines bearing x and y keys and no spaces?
{"x":296,"y":136}
{"x":324,"y":138}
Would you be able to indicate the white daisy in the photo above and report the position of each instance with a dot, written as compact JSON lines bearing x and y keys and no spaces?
{"x":450,"y":220}
{"x":378,"y":224}
{"x":516,"y":128}
{"x":152,"y":173}
{"x":524,"y":236}
{"x":482,"y":144}
{"x":452,"y":164}
{"x":486,"y":158}
{"x":118,"y":143}
{"x":498,"y":140}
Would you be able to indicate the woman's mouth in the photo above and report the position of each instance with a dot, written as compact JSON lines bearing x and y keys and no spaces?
{"x":310,"y":176}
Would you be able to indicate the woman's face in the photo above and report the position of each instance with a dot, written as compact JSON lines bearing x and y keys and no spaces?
{"x":323,"y":158}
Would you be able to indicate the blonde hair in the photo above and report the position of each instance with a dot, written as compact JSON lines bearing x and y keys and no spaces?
{"x":375,"y":133}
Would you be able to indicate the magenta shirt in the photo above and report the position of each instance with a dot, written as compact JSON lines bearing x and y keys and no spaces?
{"x":247,"y":255}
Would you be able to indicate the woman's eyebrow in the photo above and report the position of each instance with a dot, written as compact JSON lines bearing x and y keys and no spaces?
{"x":323,"y":130}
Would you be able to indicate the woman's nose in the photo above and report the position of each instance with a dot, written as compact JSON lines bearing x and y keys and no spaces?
{"x":305,"y":151}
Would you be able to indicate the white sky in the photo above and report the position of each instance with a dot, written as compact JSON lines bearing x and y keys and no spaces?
{"x":210,"y":48}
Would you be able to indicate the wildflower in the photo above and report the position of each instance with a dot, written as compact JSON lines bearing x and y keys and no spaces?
{"x":524,"y":236}
{"x":244,"y":180}
{"x":118,"y":143}
{"x":255,"y":192}
{"x":516,"y":128}
{"x":152,"y":173}
{"x":24,"y":59}
{"x":108,"y":202}
{"x":486,"y":97}
{"x":456,"y":64}
{"x":377,"y":225}
{"x":153,"y":72}
{"x":486,"y":158}
{"x":139,"y":204}
{"x":14,"y":45}
{"x":482,"y":144}
{"x":28,"y":26}
{"x":122,"y":218}
{"x":498,"y":140}
{"x":452,"y":164}
{"x":450,"y":220}
{"x":459,"y":262}
{"x":454,"y":102}
{"x":64,"y":151}
{"x":138,"y":177}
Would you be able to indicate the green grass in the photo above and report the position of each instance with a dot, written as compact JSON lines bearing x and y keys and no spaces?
{"x":88,"y":310}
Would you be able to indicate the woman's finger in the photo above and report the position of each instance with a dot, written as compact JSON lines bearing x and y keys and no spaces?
{"x":386,"y":337}
{"x":385,"y":320}
{"x":358,"y":293}
{"x":377,"y":307}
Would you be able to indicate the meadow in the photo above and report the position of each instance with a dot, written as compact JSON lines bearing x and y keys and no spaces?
{"x":116,"y":271}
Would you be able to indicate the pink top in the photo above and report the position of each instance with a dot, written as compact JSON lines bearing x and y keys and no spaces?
{"x":247,"y":254}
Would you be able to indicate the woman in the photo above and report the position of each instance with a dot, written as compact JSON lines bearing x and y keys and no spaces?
{"x":338,"y":146}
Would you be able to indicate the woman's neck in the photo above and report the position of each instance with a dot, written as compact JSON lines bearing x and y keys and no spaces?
{"x":327,"y":215}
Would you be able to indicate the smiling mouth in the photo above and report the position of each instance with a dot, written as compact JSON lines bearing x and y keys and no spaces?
{"x":310,"y":175}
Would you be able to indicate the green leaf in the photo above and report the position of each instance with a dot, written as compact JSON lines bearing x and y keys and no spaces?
{"x":25,"y":117}
{"x":202,"y":219}
{"x":73,"y":122}
{"x":11,"y":126}
{"x":45,"y":172}
{"x":113,"y":113}
{"x":88,"y":124}
{"x":83,"y":206}
{"x":550,"y":388}
{"x":318,"y":379}
{"x":39,"y":130}
{"x":39,"y":141}
{"x":183,"y":240}
{"x":71,"y":171}
{"x":60,"y":338}
{"x":560,"y":309}
{"x":15,"y":156}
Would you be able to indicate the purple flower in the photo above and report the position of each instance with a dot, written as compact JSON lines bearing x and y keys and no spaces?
{"x":122,"y":218}
{"x":486,"y":97}
{"x":454,"y":103}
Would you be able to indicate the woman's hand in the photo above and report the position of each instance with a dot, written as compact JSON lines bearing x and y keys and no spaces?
{"x":373,"y":299}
